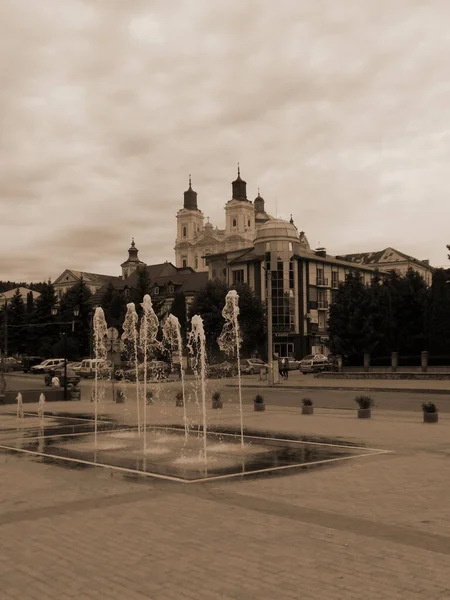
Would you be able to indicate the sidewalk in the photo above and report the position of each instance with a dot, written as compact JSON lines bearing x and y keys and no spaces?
{"x":297,"y":381}
{"x":372,"y":528}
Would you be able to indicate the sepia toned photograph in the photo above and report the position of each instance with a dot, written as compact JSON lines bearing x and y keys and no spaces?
{"x":211,"y":209}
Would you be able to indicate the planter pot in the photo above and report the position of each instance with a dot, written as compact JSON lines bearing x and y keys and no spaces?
{"x":75,"y":395}
{"x":259,"y":406}
{"x":364,"y":413}
{"x":430,"y":417}
{"x":179,"y":402}
{"x":307,"y":410}
{"x":217,"y":404}
{"x":120,"y":398}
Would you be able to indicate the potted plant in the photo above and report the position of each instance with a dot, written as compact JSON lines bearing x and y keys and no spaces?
{"x":307,"y":406}
{"x":430,"y":412}
{"x":179,"y":399}
{"x":258,"y":403}
{"x":120,"y":396}
{"x":216,"y":400}
{"x":365,"y":403}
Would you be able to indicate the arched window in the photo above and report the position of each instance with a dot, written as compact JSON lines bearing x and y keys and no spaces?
{"x":249,"y":222}
{"x":184,"y":231}
{"x":196,"y":262}
{"x":234,"y":223}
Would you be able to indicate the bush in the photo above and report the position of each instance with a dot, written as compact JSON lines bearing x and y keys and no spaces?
{"x":429,"y":407}
{"x":364,"y":402}
{"x":307,"y":402}
{"x":258,"y":399}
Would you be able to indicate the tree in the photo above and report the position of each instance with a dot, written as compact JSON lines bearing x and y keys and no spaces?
{"x":42,"y":336}
{"x":252,"y":319}
{"x":409,"y":305}
{"x":30,"y":303}
{"x":114,"y":306}
{"x":209,"y":303}
{"x":141,"y":288}
{"x":438,"y":315}
{"x":78,"y":296}
{"x":16,"y":324}
{"x":179,"y":310}
{"x":350,"y":325}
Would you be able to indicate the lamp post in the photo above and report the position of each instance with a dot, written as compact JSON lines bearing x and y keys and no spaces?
{"x":4,"y":354}
{"x":76,"y":312}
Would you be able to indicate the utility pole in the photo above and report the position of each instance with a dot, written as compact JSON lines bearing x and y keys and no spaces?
{"x":269,"y":326}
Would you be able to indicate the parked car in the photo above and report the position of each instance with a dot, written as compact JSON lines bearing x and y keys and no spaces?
{"x":72,"y":377}
{"x":88,"y":366}
{"x":293,"y":363}
{"x":31,"y":361}
{"x":48,"y":365}
{"x":313,"y":363}
{"x":156,"y":369}
{"x":250,"y":366}
{"x":12,"y":364}
{"x":223,"y":369}
{"x":75,"y":366}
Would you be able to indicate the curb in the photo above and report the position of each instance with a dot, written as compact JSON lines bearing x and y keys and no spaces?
{"x":346,"y":389}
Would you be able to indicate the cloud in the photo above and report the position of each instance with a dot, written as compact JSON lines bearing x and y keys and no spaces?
{"x":337,"y":111}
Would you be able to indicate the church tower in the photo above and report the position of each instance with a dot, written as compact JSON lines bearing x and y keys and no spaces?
{"x":132,"y":262}
{"x":240,"y":214}
{"x":189,"y":225}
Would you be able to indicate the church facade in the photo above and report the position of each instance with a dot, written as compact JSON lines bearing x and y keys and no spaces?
{"x":196,"y":239}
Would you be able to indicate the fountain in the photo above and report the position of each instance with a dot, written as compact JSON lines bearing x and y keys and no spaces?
{"x":19,"y":406}
{"x":41,"y":409}
{"x":172,"y":335}
{"x":130,"y":333}
{"x":148,"y":344}
{"x":196,"y":346}
{"x":230,"y":342}
{"x":100,"y":352}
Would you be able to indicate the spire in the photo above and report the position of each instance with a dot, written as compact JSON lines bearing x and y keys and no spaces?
{"x":190,"y":197}
{"x":291,"y":220}
{"x":259,"y":203}
{"x":239,"y":187}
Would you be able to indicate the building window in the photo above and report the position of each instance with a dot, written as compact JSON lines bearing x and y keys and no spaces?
{"x":156,"y":291}
{"x":234,"y":224}
{"x":184,"y":263}
{"x":196,"y":262}
{"x":214,"y":273}
{"x":248,"y":223}
{"x":170,"y":289}
{"x":290,"y":247}
{"x":184,"y":231}
{"x":334,"y":279}
{"x":238,"y":276}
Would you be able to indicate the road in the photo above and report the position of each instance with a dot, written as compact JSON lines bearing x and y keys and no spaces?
{"x":334,"y":399}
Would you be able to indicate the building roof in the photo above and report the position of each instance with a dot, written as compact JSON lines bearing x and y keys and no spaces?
{"x":5,"y":296}
{"x":276,"y":229}
{"x":388,"y":255}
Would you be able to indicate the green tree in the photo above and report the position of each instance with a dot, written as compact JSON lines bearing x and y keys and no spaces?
{"x":30,"y":303}
{"x":350,"y":324}
{"x":409,"y":305}
{"x":141,"y":288}
{"x":252,"y":320}
{"x":114,"y":306}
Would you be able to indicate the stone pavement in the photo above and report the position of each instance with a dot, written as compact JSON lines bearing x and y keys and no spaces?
{"x":370,"y":528}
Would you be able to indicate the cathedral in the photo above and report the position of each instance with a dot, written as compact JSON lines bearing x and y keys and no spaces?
{"x":197,"y":239}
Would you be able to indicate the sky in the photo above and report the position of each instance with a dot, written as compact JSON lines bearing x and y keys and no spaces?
{"x":338,"y":111}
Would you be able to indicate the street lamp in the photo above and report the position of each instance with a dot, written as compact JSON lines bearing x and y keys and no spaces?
{"x":5,"y":347}
{"x":76,"y":312}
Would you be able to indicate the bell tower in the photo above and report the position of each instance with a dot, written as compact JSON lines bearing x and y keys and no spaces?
{"x":240,"y":213}
{"x":189,"y":225}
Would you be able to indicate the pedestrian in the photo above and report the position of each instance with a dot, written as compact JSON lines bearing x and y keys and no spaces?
{"x":285,"y":368}
{"x":55,"y":382}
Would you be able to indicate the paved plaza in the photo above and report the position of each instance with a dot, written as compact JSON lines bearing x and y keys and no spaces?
{"x":373,"y":527}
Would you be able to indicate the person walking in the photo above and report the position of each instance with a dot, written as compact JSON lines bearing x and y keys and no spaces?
{"x":285,"y":368}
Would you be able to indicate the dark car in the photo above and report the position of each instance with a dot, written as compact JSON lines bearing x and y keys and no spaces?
{"x":156,"y":369}
{"x":11,"y":364}
{"x":31,"y":361}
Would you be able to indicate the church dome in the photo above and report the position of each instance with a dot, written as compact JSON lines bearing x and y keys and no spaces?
{"x":276,"y":230}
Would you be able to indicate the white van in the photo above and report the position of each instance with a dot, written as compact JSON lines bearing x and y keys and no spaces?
{"x":48,"y":365}
{"x":87,"y":368}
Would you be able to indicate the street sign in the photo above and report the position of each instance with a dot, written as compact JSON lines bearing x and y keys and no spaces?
{"x":112,"y":334}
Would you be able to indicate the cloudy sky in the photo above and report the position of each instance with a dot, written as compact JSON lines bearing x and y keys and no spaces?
{"x":338,"y":111}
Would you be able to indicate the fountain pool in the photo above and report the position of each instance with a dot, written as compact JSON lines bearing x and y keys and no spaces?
{"x":167,"y":455}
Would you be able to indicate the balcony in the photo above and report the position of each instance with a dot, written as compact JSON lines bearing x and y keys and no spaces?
{"x":322,"y":281}
{"x":322,"y":305}
{"x":335,"y":283}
